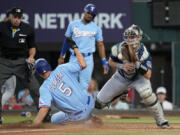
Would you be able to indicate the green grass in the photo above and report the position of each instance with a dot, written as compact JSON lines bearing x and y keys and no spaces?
{"x":172,"y":120}
{"x":15,"y":119}
{"x":146,"y":120}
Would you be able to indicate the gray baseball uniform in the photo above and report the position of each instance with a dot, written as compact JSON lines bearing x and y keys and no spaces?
{"x":8,"y":89}
{"x":122,"y":80}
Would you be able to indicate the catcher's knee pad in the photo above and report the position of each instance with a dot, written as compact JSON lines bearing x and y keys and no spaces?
{"x":99,"y":104}
{"x":147,"y":95}
{"x":151,"y":100}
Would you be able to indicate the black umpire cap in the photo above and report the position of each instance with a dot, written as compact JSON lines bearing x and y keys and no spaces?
{"x":16,"y":12}
{"x":8,"y":12}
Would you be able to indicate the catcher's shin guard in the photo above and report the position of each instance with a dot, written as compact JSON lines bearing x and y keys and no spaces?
{"x":155,"y":108}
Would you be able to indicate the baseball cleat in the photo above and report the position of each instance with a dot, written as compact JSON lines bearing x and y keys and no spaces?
{"x":164,"y":125}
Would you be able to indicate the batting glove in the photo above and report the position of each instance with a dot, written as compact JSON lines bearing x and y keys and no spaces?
{"x":105,"y":63}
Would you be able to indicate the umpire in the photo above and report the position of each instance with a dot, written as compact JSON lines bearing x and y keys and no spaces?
{"x":17,"y":45}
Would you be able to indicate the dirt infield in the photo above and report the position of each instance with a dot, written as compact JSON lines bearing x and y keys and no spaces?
{"x":24,"y":128}
{"x":107,"y":127}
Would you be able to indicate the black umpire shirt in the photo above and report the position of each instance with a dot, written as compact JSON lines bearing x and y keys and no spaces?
{"x":16,"y":42}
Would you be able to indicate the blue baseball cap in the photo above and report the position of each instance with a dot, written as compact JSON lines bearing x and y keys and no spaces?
{"x":42,"y":66}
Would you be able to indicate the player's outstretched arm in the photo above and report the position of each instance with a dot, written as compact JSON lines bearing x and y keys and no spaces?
{"x":40,"y":116}
{"x":80,"y":58}
{"x":103,"y":56}
{"x":64,"y":49}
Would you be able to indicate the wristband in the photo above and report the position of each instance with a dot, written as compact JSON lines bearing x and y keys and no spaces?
{"x":142,"y":69}
{"x":119,"y":66}
{"x":105,"y":63}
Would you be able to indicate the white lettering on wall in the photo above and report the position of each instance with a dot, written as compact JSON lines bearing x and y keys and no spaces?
{"x":61,"y":20}
{"x":25,"y":18}
{"x":51,"y":21}
{"x":103,"y":20}
{"x":116,"y":20}
{"x":2,"y":16}
{"x":40,"y":21}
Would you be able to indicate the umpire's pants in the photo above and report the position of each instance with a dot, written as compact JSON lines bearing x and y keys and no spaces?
{"x":18,"y":68}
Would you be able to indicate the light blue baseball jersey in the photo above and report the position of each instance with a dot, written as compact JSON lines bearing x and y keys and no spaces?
{"x":142,"y":55}
{"x":84,"y":35}
{"x":63,"y":90}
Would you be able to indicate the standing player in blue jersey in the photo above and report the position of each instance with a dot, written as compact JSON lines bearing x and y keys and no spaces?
{"x":85,"y":33}
{"x":63,"y":90}
{"x":130,"y":75}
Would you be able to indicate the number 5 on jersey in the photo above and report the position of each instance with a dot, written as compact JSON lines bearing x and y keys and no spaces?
{"x":67,"y":90}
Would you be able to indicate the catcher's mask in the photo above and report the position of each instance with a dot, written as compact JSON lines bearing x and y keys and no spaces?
{"x":42,"y":66}
{"x":133,"y":35}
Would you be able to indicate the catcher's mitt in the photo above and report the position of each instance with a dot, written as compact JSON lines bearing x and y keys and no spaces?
{"x":128,"y":53}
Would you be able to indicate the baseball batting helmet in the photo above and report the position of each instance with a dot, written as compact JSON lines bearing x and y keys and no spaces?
{"x":42,"y":66}
{"x":91,"y":8}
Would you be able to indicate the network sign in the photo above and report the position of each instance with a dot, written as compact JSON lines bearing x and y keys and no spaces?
{"x":51,"y":18}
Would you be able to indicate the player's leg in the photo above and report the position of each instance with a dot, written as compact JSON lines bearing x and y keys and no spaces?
{"x":60,"y":118}
{"x":10,"y":86}
{"x":33,"y":86}
{"x":143,"y":86}
{"x":86,"y":74}
{"x":5,"y":73}
{"x":113,"y":88}
{"x":86,"y":112}
{"x":29,"y":82}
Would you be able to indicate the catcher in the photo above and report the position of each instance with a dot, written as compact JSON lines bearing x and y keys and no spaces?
{"x":134,"y":67}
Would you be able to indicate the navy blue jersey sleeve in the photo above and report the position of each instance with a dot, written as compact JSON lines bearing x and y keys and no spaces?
{"x":114,"y":53}
{"x":148,"y":62}
{"x":115,"y":59}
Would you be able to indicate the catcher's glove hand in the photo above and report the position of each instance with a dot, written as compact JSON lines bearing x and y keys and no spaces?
{"x":128,"y":53}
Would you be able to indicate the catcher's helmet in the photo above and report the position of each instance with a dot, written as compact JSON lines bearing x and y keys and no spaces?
{"x":42,"y":66}
{"x":91,"y":8}
{"x":133,"y":35}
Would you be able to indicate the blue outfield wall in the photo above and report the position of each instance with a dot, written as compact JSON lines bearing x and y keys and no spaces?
{"x":51,"y":18}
